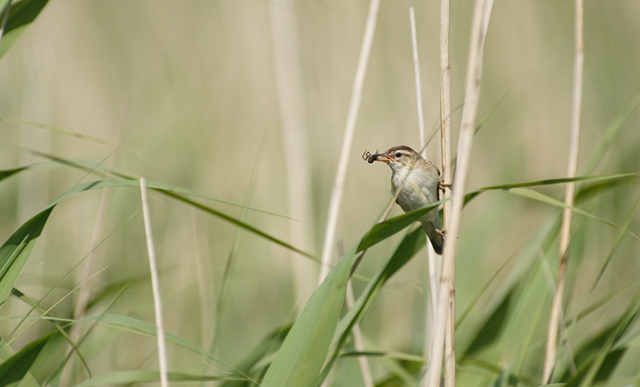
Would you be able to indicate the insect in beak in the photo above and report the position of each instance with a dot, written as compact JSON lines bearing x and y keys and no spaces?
{"x":370,"y":158}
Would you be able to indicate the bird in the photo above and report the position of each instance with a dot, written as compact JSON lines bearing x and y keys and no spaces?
{"x":418,"y":180}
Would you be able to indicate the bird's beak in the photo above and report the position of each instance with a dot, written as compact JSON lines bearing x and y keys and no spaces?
{"x":383,"y":157}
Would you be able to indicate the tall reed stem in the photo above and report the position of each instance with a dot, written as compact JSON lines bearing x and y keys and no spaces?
{"x":569,"y":193}
{"x":431,"y":255}
{"x":157,"y":300}
{"x":481,"y":17}
{"x":447,"y":180}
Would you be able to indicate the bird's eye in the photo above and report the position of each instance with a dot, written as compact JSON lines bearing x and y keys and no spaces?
{"x":398,"y":154}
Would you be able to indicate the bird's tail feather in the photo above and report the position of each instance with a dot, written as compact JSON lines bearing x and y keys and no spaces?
{"x":435,"y":237}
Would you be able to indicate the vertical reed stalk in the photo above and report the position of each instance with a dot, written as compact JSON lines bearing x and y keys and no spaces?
{"x":569,"y":193}
{"x":431,"y":255}
{"x":157,"y":301}
{"x":352,"y":117}
{"x":481,"y":17}
{"x":447,"y":180}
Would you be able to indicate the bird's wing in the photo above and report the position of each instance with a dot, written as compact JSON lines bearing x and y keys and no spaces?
{"x":429,"y":188}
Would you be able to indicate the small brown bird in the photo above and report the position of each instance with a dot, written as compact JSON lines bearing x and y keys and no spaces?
{"x":419,"y":181}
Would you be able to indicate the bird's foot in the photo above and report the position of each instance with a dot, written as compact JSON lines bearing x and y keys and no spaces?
{"x":442,"y":233}
{"x":442,"y":185}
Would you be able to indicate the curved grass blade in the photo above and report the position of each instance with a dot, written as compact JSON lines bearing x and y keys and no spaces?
{"x":106,"y":171}
{"x":621,"y":177}
{"x":134,"y":183}
{"x":56,"y":129}
{"x":138,"y":327}
{"x":531,"y":194}
{"x":391,"y":226}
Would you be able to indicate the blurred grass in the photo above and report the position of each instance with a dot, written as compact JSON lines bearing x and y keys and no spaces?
{"x":191,"y":90}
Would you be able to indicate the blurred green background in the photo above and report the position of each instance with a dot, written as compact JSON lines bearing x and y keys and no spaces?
{"x":189,"y":94}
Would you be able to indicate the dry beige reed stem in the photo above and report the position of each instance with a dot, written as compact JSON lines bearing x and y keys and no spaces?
{"x":157,"y":301}
{"x":447,"y":179}
{"x":481,"y":16}
{"x":354,"y":108}
{"x":431,"y":255}
{"x":569,"y":193}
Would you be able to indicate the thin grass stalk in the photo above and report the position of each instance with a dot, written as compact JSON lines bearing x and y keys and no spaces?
{"x":431,"y":255}
{"x":354,"y":108}
{"x":569,"y":194}
{"x":447,"y":180}
{"x":284,"y":32}
{"x":157,"y":301}
{"x":481,"y":17}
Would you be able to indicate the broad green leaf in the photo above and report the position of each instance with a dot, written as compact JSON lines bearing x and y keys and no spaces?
{"x":16,"y":367}
{"x":409,"y":247}
{"x":389,"y":227}
{"x":304,"y":350}
{"x":173,"y":192}
{"x":21,"y":15}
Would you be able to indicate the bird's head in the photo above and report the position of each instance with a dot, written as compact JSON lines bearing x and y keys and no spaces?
{"x":399,"y":158}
